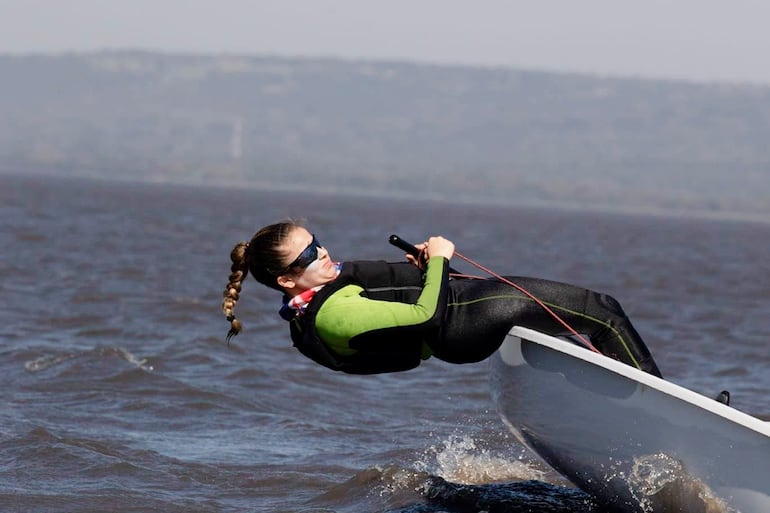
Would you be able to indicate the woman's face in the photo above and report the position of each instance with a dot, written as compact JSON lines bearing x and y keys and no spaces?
{"x":319,"y":272}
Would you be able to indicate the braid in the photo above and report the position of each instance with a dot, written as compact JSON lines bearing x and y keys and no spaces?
{"x":262,"y":256}
{"x":238,"y":271}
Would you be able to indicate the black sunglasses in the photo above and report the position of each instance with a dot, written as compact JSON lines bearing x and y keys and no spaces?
{"x":307,"y":257}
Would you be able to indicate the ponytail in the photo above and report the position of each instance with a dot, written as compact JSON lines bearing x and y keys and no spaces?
{"x":262,"y":256}
{"x":238,"y":271}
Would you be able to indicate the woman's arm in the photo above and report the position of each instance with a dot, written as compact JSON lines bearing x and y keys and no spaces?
{"x":346,"y":315}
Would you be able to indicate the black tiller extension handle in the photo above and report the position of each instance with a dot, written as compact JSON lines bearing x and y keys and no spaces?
{"x":404,"y":245}
{"x":409,"y":248}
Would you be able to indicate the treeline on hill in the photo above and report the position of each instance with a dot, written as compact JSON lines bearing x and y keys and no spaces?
{"x":496,"y":134}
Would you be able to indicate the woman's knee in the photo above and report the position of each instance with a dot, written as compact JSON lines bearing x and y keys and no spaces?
{"x":610,"y":304}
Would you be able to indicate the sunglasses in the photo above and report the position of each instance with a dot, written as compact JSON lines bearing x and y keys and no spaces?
{"x":307,"y":257}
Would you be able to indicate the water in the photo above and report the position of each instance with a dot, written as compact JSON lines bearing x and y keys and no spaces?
{"x":120,"y":395}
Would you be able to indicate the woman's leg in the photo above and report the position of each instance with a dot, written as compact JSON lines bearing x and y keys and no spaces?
{"x":481,"y":312}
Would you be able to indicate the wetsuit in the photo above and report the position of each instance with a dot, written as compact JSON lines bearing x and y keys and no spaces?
{"x":382,"y":311}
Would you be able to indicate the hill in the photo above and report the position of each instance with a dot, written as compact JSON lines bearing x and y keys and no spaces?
{"x":388,"y":128}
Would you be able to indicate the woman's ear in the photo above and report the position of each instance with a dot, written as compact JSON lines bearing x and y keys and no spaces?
{"x":285,"y":281}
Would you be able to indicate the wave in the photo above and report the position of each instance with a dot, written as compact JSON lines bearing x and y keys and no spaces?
{"x":461,"y":460}
{"x":662,"y":483}
{"x":47,"y":361}
{"x":456,"y":475}
{"x":401,"y":490}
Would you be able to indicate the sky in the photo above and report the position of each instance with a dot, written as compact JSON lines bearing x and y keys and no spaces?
{"x":696,"y":40}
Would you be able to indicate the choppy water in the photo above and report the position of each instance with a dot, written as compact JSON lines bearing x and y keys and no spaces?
{"x":120,"y":395}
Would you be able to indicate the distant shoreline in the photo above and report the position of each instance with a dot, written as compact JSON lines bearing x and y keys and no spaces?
{"x":407,"y":196}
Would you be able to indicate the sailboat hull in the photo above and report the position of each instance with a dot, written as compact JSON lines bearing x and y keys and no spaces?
{"x":632,"y":440}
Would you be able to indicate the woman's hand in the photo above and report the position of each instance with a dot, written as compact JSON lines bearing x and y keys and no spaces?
{"x":435,"y":246}
{"x":420,"y":259}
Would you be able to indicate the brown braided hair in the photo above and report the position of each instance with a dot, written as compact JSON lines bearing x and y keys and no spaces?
{"x":263,"y":257}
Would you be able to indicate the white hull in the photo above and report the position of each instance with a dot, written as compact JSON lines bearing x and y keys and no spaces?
{"x":634,"y":441}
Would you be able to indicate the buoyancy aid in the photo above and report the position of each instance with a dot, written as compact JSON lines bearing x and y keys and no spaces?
{"x":382,"y":281}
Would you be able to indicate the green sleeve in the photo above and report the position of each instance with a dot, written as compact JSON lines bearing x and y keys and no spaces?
{"x":346,"y":314}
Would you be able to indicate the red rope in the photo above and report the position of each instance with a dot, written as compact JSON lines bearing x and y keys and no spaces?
{"x":521,"y":289}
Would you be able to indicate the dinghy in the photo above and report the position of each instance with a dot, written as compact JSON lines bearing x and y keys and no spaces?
{"x":636,"y":442}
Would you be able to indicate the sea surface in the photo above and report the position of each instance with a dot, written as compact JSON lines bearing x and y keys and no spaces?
{"x":120,"y":394}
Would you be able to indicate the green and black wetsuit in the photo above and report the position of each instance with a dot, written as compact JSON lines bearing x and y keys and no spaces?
{"x":384,"y":317}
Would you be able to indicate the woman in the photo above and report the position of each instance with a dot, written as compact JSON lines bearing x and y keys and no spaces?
{"x":366,"y":317}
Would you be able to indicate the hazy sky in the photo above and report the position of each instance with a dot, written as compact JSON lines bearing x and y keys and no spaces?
{"x":693,"y":39}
